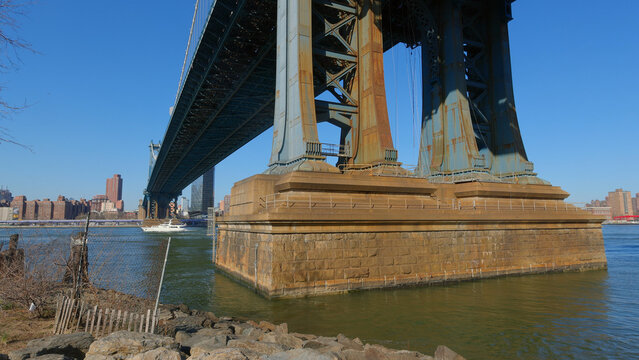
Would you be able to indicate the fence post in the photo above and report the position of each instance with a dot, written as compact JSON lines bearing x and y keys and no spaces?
{"x":157,"y":298}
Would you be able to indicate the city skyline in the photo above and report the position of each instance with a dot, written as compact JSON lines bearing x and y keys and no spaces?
{"x":572,"y":145}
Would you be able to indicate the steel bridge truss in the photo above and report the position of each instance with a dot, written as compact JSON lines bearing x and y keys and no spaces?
{"x":261,"y":63}
{"x":332,"y":47}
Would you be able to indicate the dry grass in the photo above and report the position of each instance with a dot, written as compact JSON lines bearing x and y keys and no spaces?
{"x":19,"y":326}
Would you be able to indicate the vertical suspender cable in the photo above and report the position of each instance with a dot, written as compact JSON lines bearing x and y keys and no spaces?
{"x":186,"y":53}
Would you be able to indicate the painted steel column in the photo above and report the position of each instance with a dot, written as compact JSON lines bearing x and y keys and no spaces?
{"x":295,"y":123}
{"x":374,"y":143}
{"x":509,"y":155}
{"x":448,"y":143}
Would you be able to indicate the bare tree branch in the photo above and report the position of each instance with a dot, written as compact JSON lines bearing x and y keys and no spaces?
{"x":11,"y":44}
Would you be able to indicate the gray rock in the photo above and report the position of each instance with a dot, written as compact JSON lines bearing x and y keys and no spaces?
{"x":374,"y":352}
{"x":187,"y":340}
{"x":208,"y":344}
{"x":281,"y":328}
{"x":350,"y":354}
{"x":209,"y":315}
{"x":160,"y":353}
{"x":302,"y":354}
{"x":164,"y":315}
{"x":189,"y":324}
{"x":406,"y":355}
{"x":221,"y":354}
{"x":260,"y":347}
{"x":73,"y":345}
{"x":323,"y":344}
{"x":213,"y":332}
{"x":252,"y":333}
{"x":239,"y":329}
{"x":124,"y":344}
{"x":304,"y":336}
{"x":179,"y":314}
{"x":184,"y":308}
{"x":266,"y":326}
{"x":284,"y":339}
{"x":444,"y":353}
{"x":225,"y":325}
{"x":349,"y":344}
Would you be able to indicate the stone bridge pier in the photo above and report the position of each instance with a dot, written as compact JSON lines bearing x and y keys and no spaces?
{"x":474,"y":208}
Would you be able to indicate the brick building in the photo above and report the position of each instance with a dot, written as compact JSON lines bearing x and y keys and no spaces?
{"x":31,"y":210}
{"x":620,"y":203}
{"x":19,"y":203}
{"x":114,"y":191}
{"x":45,"y":209}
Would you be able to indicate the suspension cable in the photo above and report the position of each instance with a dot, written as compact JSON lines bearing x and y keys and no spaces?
{"x":186,"y":53}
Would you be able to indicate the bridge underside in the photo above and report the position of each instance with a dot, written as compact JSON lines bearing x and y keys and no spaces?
{"x":229,"y":92}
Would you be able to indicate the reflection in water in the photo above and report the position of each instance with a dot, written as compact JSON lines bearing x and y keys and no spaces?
{"x":588,"y":315}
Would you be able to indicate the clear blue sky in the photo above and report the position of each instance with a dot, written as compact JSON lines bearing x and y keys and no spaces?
{"x":106,"y":74}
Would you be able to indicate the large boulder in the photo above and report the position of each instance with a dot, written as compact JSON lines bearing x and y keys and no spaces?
{"x":208,"y":345}
{"x":125,"y":344}
{"x":445,"y":353}
{"x":73,"y":345}
{"x":189,"y":324}
{"x":284,"y":339}
{"x":221,"y":354}
{"x":160,"y":353}
{"x":260,"y":347}
{"x":54,"y":357}
{"x":355,"y":344}
{"x":302,"y":354}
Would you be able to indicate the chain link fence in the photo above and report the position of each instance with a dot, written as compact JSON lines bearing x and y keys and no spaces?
{"x":120,"y":268}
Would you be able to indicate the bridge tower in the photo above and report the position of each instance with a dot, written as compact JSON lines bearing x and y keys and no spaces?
{"x":334,"y":48}
{"x":469,"y":128}
{"x":155,"y":206}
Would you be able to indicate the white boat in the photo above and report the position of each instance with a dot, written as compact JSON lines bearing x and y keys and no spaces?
{"x":166,"y":227}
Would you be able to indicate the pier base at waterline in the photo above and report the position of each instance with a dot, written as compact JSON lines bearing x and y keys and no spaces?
{"x":306,"y":233}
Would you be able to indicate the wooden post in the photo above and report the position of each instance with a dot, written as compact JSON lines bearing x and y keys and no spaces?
{"x":148,"y":315}
{"x":97,"y":324}
{"x":58,"y":310}
{"x":117,"y":321}
{"x":77,"y":325}
{"x":130,"y":322}
{"x":106,"y":321}
{"x":86,"y":325}
{"x":111,"y":321}
{"x":93,"y":315}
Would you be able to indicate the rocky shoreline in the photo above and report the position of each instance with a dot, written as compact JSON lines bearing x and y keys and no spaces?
{"x":196,"y":335}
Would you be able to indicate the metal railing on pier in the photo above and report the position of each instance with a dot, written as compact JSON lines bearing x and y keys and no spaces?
{"x":279,"y":201}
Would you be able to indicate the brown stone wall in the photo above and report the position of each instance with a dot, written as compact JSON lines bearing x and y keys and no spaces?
{"x":236,"y":255}
{"x":307,"y":264}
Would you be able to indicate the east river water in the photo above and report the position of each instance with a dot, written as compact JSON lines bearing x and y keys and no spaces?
{"x":587,"y":315}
